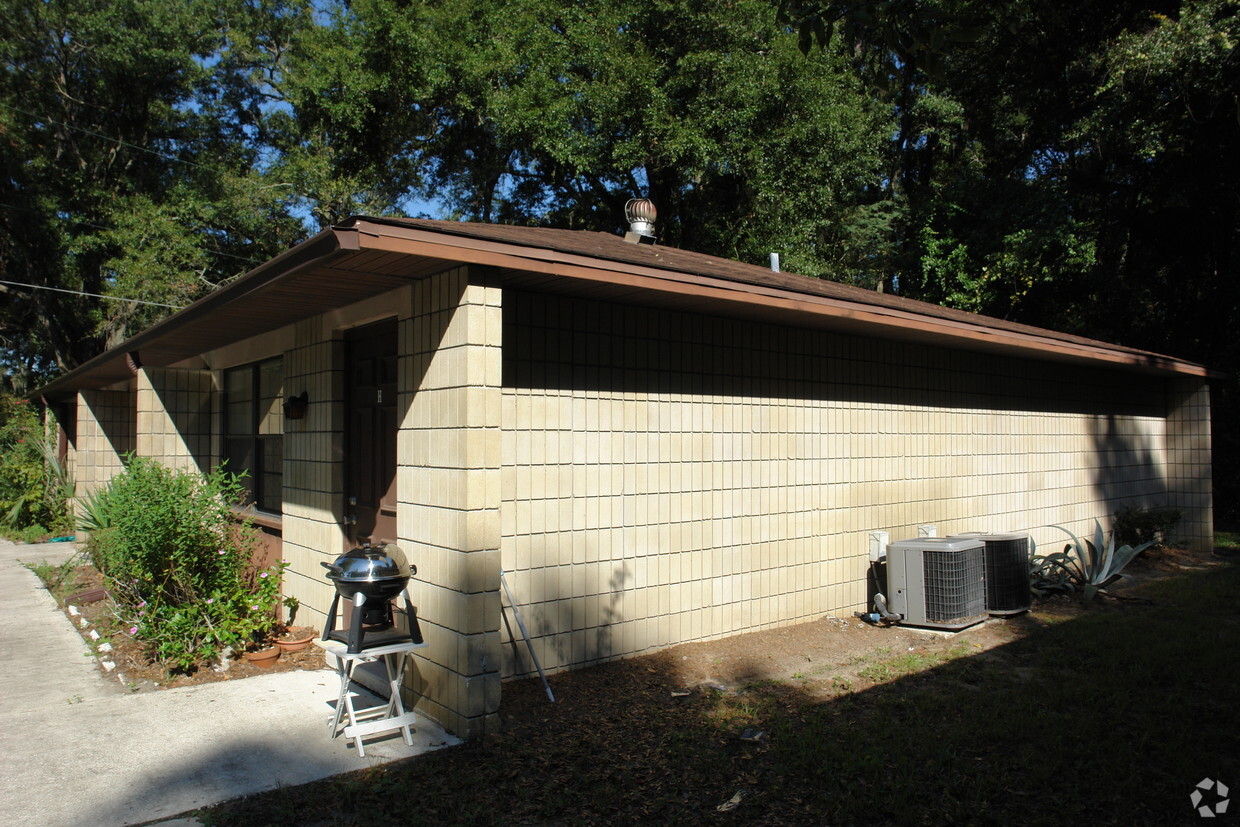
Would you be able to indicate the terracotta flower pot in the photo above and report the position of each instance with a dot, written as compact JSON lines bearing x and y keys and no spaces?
{"x":264,"y":658}
{"x":296,"y":643}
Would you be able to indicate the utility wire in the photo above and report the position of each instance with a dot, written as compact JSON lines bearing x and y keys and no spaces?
{"x":91,"y":132}
{"x":92,"y":295}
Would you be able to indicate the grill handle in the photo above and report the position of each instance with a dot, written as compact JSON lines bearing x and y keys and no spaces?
{"x":332,"y":567}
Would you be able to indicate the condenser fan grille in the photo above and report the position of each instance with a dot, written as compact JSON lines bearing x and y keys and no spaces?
{"x":951,"y":579}
{"x":937,"y":581}
{"x":1007,"y":571}
{"x":1007,"y":575}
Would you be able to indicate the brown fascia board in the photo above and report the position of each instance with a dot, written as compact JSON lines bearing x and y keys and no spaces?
{"x":876,"y":320}
{"x":163,"y":343}
{"x":110,"y":366}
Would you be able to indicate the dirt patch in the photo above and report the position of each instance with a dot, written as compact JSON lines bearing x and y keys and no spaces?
{"x":826,"y":657}
{"x":131,"y":666}
{"x":833,"y":656}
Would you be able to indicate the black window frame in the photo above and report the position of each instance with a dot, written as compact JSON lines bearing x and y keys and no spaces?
{"x":265,"y":486}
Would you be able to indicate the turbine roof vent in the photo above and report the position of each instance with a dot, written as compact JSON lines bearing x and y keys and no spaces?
{"x":640,"y":213}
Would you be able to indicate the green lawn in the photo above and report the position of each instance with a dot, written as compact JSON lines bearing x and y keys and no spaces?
{"x":1110,"y":717}
{"x":1227,"y":539}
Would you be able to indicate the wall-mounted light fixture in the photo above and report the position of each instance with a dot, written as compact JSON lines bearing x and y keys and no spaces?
{"x":295,"y":406}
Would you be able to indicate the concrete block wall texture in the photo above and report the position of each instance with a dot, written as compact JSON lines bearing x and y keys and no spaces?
{"x":670,"y":477}
{"x":1189,"y":462}
{"x":448,"y":491}
{"x":647,"y":477}
{"x":449,"y":372}
{"x":106,"y":432}
{"x":176,"y":417}
{"x":313,"y":474}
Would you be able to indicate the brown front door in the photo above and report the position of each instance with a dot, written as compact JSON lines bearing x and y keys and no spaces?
{"x":370,"y":433}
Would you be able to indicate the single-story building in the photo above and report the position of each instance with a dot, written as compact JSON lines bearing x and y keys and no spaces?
{"x":654,"y":446}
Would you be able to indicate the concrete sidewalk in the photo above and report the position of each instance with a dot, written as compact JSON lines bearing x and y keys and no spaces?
{"x":77,"y":748}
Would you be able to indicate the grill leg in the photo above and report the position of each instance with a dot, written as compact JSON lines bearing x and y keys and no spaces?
{"x":329,"y":625}
{"x":355,"y":628}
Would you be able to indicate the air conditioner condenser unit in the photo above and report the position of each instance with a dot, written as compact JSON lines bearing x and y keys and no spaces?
{"x":938,"y":582}
{"x":1007,"y":572}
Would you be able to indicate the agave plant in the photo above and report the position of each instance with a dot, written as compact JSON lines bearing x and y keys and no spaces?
{"x":1083,"y":565}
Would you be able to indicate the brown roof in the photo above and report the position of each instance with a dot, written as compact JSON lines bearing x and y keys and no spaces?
{"x":366,"y":256}
{"x":614,"y":248}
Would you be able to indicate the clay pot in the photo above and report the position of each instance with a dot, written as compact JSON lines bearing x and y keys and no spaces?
{"x":297,"y":643}
{"x":264,"y":658}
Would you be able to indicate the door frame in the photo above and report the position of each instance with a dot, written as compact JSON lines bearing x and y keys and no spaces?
{"x":386,"y":328}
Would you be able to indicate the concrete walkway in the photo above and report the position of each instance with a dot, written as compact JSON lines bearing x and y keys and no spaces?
{"x":77,"y":748}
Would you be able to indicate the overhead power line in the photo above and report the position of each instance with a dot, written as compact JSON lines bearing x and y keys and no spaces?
{"x":92,"y":295}
{"x":109,"y":138}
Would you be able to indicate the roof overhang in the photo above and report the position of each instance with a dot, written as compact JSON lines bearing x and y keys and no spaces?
{"x":524,"y":265}
{"x":366,"y":257}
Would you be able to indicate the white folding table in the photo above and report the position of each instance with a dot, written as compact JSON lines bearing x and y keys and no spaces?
{"x":375,"y":719}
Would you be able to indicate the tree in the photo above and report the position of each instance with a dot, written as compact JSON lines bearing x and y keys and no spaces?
{"x":1074,"y":166}
{"x":120,"y":176}
{"x":557,"y":112}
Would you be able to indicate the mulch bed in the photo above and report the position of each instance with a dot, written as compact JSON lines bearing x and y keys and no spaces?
{"x":132,"y":666}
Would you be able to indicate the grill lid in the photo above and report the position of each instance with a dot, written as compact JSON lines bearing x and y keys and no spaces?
{"x":370,"y":564}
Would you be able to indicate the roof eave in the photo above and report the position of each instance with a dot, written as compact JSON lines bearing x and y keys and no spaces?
{"x":360,"y":234}
{"x":878,"y":320}
{"x":109,"y":367}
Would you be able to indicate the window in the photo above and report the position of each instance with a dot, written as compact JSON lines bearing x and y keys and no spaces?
{"x":254,"y":429}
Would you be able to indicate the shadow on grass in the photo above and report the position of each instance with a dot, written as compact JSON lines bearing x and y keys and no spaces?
{"x":1111,"y":717}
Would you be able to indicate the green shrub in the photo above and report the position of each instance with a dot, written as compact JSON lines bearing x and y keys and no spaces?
{"x":179,"y":563}
{"x":1134,"y":525}
{"x":34,"y":486}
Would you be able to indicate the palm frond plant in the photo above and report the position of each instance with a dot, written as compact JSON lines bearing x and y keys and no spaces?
{"x":94,"y":510}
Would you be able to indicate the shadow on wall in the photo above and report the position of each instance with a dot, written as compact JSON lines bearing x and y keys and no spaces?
{"x":1129,"y":470}
{"x":560,"y":343}
{"x":187,"y":396}
{"x":315,"y":452}
{"x":579,"y":629}
{"x":115,"y":413}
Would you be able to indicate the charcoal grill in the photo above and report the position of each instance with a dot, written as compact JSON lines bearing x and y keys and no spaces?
{"x":370,"y":578}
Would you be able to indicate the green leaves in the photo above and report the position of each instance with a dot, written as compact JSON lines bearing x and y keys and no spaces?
{"x":127,"y":128}
{"x":34,"y":484}
{"x":180,"y":564}
{"x":1084,"y":565}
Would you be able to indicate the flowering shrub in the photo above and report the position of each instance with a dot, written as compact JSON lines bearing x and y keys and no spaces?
{"x":178,"y":563}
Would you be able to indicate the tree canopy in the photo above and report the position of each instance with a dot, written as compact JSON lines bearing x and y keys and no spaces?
{"x":1075,"y":166}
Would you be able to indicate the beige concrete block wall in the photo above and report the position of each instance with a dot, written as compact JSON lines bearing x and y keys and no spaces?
{"x":313,"y":474}
{"x":176,"y":417}
{"x":1190,"y":481}
{"x":448,"y":492}
{"x":671,"y":477}
{"x":106,"y":432}
{"x":448,"y":487}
